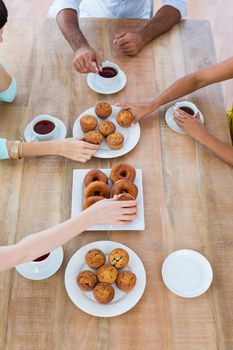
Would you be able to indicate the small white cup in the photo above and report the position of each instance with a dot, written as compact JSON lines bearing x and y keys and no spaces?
{"x":43,"y":137}
{"x":108,"y":82}
{"x":188,"y":105}
{"x":38,"y":265}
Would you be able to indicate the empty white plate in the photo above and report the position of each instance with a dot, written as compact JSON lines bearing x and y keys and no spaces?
{"x":187,"y":273}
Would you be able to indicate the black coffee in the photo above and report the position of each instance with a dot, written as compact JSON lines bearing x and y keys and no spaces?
{"x":41,"y":258}
{"x":187,"y":110}
{"x":44,"y":127}
{"x":108,"y":72}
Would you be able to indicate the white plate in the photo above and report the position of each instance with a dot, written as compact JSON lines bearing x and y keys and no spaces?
{"x":187,"y":273}
{"x":171,"y":122}
{"x":60,"y":133}
{"x":27,"y":270}
{"x":78,"y":199}
{"x":91,"y":82}
{"x":131,"y":135}
{"x":122,"y":301}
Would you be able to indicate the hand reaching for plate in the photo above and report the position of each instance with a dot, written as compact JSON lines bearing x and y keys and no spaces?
{"x":76,"y":149}
{"x":140,"y":110}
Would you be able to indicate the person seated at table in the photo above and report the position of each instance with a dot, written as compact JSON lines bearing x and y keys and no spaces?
{"x":86,"y":59}
{"x":192,"y":126}
{"x":105,"y":212}
{"x":71,"y":148}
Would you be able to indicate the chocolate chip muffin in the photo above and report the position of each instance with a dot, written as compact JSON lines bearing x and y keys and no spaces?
{"x":86,"y":280}
{"x":95,"y":258}
{"x":118,"y":258}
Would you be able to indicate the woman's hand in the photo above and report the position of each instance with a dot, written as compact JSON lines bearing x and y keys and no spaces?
{"x":192,"y":126}
{"x":112,"y":212}
{"x":76,"y":149}
{"x":140,"y":110}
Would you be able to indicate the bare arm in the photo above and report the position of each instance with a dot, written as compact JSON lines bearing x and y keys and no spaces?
{"x":5,"y":79}
{"x":86,"y":59}
{"x":108,"y":211}
{"x":131,"y":43}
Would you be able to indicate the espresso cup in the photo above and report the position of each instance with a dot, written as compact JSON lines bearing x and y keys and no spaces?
{"x":43,"y":127}
{"x":41,"y":262}
{"x":187,"y":107}
{"x":106,"y":80}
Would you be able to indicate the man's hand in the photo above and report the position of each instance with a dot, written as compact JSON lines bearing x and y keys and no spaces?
{"x":86,"y":60}
{"x":130,"y":43}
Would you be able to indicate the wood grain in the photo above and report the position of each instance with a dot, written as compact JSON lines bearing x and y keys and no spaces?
{"x":187,"y":191}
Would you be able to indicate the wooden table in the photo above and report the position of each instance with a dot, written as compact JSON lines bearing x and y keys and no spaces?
{"x":188,"y":194}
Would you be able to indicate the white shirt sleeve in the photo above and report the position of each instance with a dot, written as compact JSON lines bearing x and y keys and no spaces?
{"x":180,"y":5}
{"x":59,"y":5}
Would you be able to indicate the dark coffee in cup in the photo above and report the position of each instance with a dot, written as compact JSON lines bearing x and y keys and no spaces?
{"x":108,"y":72}
{"x":44,"y":127}
{"x":187,"y":110}
{"x":41,"y":258}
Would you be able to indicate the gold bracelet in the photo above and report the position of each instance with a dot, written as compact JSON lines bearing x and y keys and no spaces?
{"x":21,"y":149}
{"x":14,"y":151}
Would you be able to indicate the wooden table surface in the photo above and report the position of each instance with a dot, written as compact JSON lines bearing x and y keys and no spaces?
{"x":187,"y":192}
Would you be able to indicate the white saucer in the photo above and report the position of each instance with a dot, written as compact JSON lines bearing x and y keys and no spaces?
{"x":122,"y":301}
{"x":60,"y":133}
{"x":171,"y":122}
{"x":91,"y":81}
{"x":27,"y":270}
{"x":187,"y":273}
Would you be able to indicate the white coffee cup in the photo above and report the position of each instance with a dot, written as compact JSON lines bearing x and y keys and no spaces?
{"x":43,"y":137}
{"x":38,"y":265}
{"x":189,"y":105}
{"x":108,"y":82}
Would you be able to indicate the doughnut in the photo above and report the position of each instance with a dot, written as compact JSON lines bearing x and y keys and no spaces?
{"x":115,"y":140}
{"x":125,"y":186}
{"x":88,"y":123}
{"x":94,"y":137}
{"x":125,"y":118}
{"x":97,"y":188}
{"x":106,"y":128}
{"x":91,"y":200}
{"x":103,"y":109}
{"x":122,"y":172}
{"x":94,"y":175}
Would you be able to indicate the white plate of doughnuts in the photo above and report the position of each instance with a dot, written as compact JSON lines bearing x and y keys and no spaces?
{"x":78,"y":200}
{"x":131,"y":134}
{"x":122,"y":301}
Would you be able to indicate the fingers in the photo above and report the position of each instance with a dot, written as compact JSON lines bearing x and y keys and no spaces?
{"x":122,"y":41}
{"x":99,"y":62}
{"x":198,"y":116}
{"x":128,"y":204}
{"x":118,"y":36}
{"x":90,"y":63}
{"x":90,"y":146}
{"x":124,"y":105}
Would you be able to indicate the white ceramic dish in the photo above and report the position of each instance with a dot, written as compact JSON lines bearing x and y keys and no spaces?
{"x":78,"y":198}
{"x":60,"y":132}
{"x":27,"y":270}
{"x":122,"y":301}
{"x":171,"y":122}
{"x":131,"y":135}
{"x":101,"y":89}
{"x":187,"y":273}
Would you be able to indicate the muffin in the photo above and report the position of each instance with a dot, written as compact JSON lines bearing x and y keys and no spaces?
{"x":125,"y":118}
{"x":88,"y":123}
{"x":106,"y":128}
{"x":126,"y":281}
{"x":94,"y":137}
{"x":103,"y":293}
{"x":103,"y":109}
{"x":88,"y":202}
{"x":118,"y":258}
{"x":107,"y":274}
{"x":95,"y":258}
{"x":115,"y":140}
{"x":86,"y":280}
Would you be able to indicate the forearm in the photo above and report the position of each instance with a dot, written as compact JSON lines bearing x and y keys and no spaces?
{"x":165,"y":18}
{"x":221,"y":149}
{"x":33,"y":149}
{"x":38,"y":244}
{"x":68,"y":23}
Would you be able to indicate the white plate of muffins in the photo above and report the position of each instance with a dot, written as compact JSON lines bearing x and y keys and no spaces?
{"x":110,"y":127}
{"x":105,"y":279}
{"x":91,"y":185}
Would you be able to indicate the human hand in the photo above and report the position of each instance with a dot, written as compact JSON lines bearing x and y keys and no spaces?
{"x":192,"y":126}
{"x":87,"y":60}
{"x":140,"y":110}
{"x":112,"y":212}
{"x":76,"y":149}
{"x":130,"y":43}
